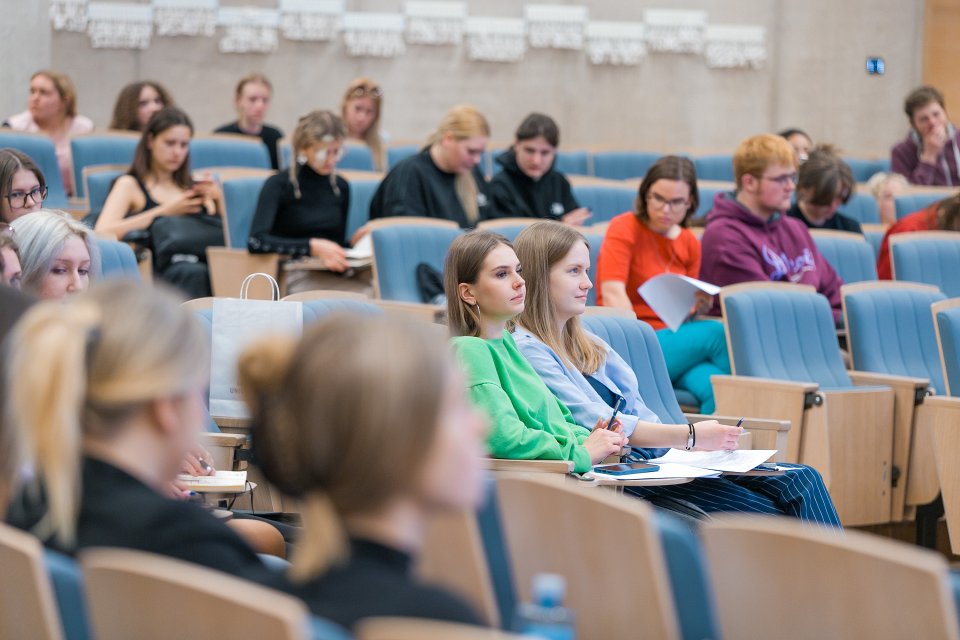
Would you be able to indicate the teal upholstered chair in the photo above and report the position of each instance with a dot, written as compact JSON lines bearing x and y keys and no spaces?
{"x":604,"y":201}
{"x":113,"y":147}
{"x":41,"y":150}
{"x":399,"y":245}
{"x":117,"y":260}
{"x":226,"y":150}
{"x":930,"y":257}
{"x":850,"y":255}
{"x":622,"y":165}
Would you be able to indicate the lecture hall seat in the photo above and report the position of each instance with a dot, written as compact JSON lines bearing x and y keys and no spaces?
{"x":930,"y":257}
{"x":850,"y":255}
{"x":41,"y":150}
{"x":399,"y":245}
{"x":99,"y":148}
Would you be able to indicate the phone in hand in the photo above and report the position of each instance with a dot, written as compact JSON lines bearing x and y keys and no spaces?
{"x":626,"y":468}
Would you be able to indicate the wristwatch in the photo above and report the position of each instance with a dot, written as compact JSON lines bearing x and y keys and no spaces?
{"x":691,"y":436}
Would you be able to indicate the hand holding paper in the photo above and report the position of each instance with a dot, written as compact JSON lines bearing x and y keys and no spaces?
{"x":672,"y":296}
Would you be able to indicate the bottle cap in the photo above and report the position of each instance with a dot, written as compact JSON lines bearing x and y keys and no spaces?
{"x":548,"y":589}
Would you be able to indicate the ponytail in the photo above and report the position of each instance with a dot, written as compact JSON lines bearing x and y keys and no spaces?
{"x":46,"y":378}
{"x":466,"y":188}
{"x":462,"y":122}
{"x":326,"y":541}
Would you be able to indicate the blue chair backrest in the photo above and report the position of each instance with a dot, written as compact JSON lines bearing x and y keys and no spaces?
{"x":595,"y":240}
{"x":361,"y":193}
{"x":356,"y":157}
{"x":621,"y":165}
{"x":313,"y":310}
{"x":497,"y":555}
{"x":67,"y":581}
{"x":575,"y":163}
{"x":323,"y":629}
{"x":240,"y":197}
{"x":100,"y":184}
{"x":117,"y":260}
{"x":863,"y":208}
{"x":875,"y":239}
{"x":511,"y":231}
{"x":714,"y":167}
{"x":44,"y":154}
{"x":784,"y":334}
{"x":928,"y":260}
{"x":636,"y":342}
{"x":914,"y":202}
{"x":91,"y":150}
{"x":228,"y":151}
{"x":948,"y":324}
{"x":890,"y":330}
{"x":707,"y":195}
{"x":863,"y":169}
{"x":689,"y":581}
{"x":398,"y":249}
{"x":396,"y":154}
{"x":850,"y":255}
{"x":603,"y":201}
{"x":286,"y":151}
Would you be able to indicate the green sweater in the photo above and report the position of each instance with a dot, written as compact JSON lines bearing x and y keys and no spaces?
{"x":528,"y":422}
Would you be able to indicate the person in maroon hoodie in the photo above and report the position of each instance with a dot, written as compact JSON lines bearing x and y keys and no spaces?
{"x":750,"y":238}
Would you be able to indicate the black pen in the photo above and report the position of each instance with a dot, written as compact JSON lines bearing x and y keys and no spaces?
{"x":616,"y":410}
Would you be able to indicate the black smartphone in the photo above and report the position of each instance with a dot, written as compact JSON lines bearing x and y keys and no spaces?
{"x":626,"y":468}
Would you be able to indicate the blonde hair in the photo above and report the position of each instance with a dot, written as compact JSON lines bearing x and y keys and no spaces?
{"x":341,"y":426}
{"x":84,"y":369}
{"x":367,"y":88}
{"x":315,"y":127}
{"x":755,"y":154}
{"x":64,"y":86}
{"x":879,"y":180}
{"x":463,"y":263}
{"x":539,"y":247}
{"x":41,"y":236}
{"x":462,"y":122}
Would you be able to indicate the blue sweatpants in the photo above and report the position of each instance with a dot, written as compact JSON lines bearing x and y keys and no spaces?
{"x":800,"y":493}
{"x":696,"y":351}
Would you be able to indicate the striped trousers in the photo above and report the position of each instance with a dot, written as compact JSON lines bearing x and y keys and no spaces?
{"x":800,"y":493}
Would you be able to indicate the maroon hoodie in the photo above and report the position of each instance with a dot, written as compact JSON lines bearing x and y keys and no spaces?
{"x":738,"y":246}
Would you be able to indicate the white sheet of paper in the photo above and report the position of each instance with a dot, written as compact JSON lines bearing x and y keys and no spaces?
{"x":666,"y":470}
{"x":738,"y":461}
{"x":363,"y":250}
{"x":671,"y":296}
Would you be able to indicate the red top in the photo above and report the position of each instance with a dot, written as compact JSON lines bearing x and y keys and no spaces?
{"x":631,"y":253}
{"x":923,"y":220}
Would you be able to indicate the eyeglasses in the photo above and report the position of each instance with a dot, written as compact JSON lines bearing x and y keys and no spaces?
{"x":362,"y":92}
{"x":782,"y":180}
{"x":18,"y":199}
{"x":659,"y":202}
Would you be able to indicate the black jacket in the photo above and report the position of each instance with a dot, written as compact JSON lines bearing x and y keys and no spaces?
{"x":838,"y":222}
{"x":515,"y":194}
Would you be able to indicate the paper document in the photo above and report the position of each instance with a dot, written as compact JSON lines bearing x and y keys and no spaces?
{"x":666,"y":470}
{"x":672,"y":296}
{"x":739,"y":461}
{"x":220,"y":481}
{"x":363,"y":250}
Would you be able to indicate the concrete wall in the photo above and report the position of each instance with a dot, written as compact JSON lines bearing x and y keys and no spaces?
{"x":814,"y":78}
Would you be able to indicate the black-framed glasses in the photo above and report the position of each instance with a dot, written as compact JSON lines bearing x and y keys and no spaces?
{"x":782,"y":180}
{"x":659,"y":202}
{"x":362,"y":92}
{"x":18,"y":199}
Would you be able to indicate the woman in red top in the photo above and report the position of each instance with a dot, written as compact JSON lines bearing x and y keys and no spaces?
{"x":940,"y":216}
{"x":652,"y":240}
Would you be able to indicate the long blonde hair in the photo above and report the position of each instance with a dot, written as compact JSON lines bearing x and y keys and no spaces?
{"x":462,"y":122}
{"x":463,"y":264}
{"x":342,"y":419}
{"x":367,"y":88}
{"x":315,"y":127}
{"x":85,"y":369}
{"x":539,"y":247}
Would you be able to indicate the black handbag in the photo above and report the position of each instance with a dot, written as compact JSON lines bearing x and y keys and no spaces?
{"x":184,"y":238}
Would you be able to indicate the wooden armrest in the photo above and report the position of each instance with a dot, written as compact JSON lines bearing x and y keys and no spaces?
{"x":749,"y":424}
{"x":223,"y":439}
{"x":765,"y":383}
{"x":542,"y":466}
{"x":232,"y":423}
{"x":871,"y":378}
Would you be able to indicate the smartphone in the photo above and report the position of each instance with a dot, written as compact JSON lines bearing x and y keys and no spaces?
{"x":625,"y":468}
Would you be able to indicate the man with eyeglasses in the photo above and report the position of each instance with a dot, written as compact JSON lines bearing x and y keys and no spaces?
{"x":750,"y":238}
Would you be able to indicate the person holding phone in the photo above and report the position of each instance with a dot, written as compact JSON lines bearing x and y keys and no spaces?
{"x":930,"y":154}
{"x":585,"y":373}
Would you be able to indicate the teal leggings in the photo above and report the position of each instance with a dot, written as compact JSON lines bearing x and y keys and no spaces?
{"x":695,"y":352}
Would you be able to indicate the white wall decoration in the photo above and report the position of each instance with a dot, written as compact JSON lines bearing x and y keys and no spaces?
{"x":496,"y":39}
{"x":735,"y":46}
{"x":435,"y":22}
{"x":185,"y":17}
{"x":555,"y":25}
{"x":616,"y":43}
{"x":119,"y":25}
{"x":68,"y":15}
{"x":675,"y":31}
{"x":248,"y":29}
{"x":378,"y":35}
{"x":318,"y":20}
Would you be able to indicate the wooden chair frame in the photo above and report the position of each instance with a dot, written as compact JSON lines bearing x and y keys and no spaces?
{"x":28,"y":608}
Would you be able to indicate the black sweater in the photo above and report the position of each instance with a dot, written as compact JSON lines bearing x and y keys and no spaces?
{"x":284,"y":224}
{"x":377,"y":581}
{"x":269,"y":135}
{"x":515,"y":194}
{"x":838,"y":222}
{"x":418,"y":187}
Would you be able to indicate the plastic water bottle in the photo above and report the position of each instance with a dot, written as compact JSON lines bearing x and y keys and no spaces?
{"x":546,"y":617}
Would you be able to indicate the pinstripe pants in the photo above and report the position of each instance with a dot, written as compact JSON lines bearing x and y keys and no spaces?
{"x":800,"y":493}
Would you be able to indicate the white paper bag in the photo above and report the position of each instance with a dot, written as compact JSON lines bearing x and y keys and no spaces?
{"x":237,"y":323}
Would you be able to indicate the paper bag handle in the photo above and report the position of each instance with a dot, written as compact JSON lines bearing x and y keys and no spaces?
{"x":274,"y":287}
